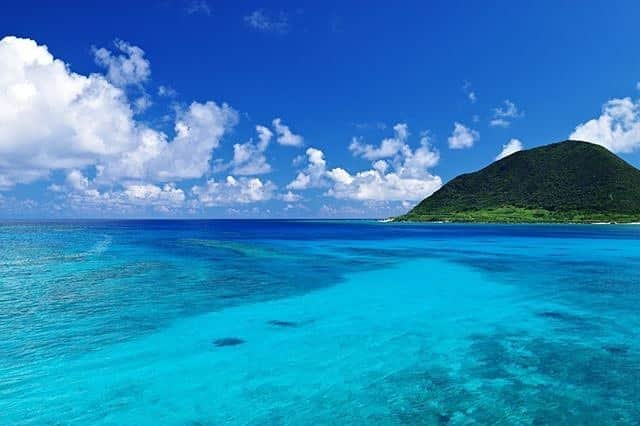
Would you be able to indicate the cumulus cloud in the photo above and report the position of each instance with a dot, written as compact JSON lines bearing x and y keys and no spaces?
{"x":77,"y":180}
{"x":313,"y":175}
{"x":148,"y":192}
{"x":249,"y":158}
{"x":514,"y":145}
{"x":503,"y":116}
{"x":617,"y":128}
{"x":285,"y":135}
{"x":54,"y":119}
{"x":387,"y":148}
{"x":290,"y":197}
{"x":265,"y":21}
{"x":198,"y":131}
{"x":233,"y":190}
{"x":377,"y":186}
{"x":81,"y":194}
{"x":130,"y":67}
{"x":405,"y":177}
{"x":462,"y":137}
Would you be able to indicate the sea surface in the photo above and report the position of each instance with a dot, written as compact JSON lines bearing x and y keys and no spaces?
{"x":317,"y":323}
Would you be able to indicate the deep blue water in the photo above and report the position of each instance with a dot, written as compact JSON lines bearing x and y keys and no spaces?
{"x":318,"y":322}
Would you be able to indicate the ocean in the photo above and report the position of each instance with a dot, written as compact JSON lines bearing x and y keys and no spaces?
{"x":318,"y":322}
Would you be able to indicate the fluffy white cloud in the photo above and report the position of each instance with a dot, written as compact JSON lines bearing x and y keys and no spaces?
{"x":249,"y":158}
{"x":405,"y":177}
{"x":129,"y":67}
{"x":514,"y":145}
{"x":409,"y":179}
{"x":265,"y":21}
{"x":285,"y":135}
{"x":186,"y":156}
{"x":153,"y":192}
{"x":502,"y":116}
{"x":77,"y":180}
{"x":290,"y":197}
{"x":617,"y":128}
{"x":389,"y":147}
{"x":462,"y":137}
{"x":54,"y":119}
{"x":86,"y":197}
{"x":231,"y":191}
{"x":313,"y":175}
{"x":51,"y":118}
{"x":302,"y":181}
{"x":378,"y":186}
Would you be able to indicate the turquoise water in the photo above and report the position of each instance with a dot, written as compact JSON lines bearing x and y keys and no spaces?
{"x":275,"y":322}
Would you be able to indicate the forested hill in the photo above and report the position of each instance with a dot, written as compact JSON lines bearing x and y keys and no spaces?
{"x":569,"y":181}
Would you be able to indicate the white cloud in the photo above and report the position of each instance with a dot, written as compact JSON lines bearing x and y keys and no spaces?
{"x":166,"y":91}
{"x":499,"y":122}
{"x":148,"y":192}
{"x":198,"y":7}
{"x":302,"y":181}
{"x":462,"y":137}
{"x":377,"y":186}
{"x":86,"y":197}
{"x":405,"y":178}
{"x":249,"y":158}
{"x":379,"y":125}
{"x":617,"y":128}
{"x":142,"y":103}
{"x":87,"y":123}
{"x":409,"y":179}
{"x":234,"y":190}
{"x":468,"y":90}
{"x":424,"y":157}
{"x":388,"y":147}
{"x":285,"y":135}
{"x":128,"y":68}
{"x":186,"y":156}
{"x":79,"y":118}
{"x":514,"y":145}
{"x":502,"y":116}
{"x":340,"y":176}
{"x":290,"y":197}
{"x":265,"y":21}
{"x":77,"y":181}
{"x":313,"y":174}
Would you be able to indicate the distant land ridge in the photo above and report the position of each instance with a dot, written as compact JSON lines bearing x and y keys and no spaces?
{"x":570,"y":181}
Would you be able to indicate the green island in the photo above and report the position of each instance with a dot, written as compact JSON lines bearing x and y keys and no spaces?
{"x":565,"y":182}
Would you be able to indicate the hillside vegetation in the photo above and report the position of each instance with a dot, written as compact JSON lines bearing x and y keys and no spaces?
{"x":569,"y":181}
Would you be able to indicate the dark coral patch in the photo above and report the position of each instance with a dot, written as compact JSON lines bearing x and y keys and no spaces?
{"x":279,"y":323}
{"x":616,"y":349}
{"x":561,"y":316}
{"x":228,"y":341}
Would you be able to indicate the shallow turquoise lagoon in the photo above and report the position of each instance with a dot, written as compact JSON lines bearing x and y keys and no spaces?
{"x":310,"y":322}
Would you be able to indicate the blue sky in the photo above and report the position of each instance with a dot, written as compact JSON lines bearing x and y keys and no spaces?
{"x":335,"y":109}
